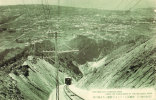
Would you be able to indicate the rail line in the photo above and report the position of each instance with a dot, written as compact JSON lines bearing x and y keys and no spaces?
{"x":66,"y":92}
{"x":71,"y":95}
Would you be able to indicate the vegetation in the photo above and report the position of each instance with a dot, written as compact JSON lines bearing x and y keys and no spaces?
{"x":24,"y":31}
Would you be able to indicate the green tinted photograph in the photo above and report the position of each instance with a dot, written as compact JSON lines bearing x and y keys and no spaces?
{"x":77,"y":49}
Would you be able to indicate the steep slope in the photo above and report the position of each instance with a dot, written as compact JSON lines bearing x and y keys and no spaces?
{"x":134,"y":68}
{"x":33,"y":77}
{"x":99,"y":32}
{"x":36,"y":79}
{"x":90,"y":49}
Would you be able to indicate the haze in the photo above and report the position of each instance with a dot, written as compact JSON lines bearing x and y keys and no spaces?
{"x":102,"y":4}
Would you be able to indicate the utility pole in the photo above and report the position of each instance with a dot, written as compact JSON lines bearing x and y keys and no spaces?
{"x":56,"y":62}
{"x":56,"y":54}
{"x":57,"y":67}
{"x":55,"y":35}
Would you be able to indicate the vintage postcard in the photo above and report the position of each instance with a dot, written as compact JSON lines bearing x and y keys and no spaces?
{"x":77,"y":49}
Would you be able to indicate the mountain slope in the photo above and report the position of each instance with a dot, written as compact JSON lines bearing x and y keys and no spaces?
{"x":133,"y":69}
{"x":39,"y":80}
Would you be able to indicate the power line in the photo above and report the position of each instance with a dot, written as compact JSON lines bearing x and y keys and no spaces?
{"x":135,"y":4}
{"x":129,"y":3}
{"x":44,"y":9}
{"x":121,"y":1}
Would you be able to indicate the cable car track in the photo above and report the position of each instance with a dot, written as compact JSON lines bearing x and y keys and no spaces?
{"x":66,"y":92}
{"x":71,"y":95}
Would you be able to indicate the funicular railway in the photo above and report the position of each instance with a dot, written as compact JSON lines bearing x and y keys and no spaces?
{"x":70,"y":94}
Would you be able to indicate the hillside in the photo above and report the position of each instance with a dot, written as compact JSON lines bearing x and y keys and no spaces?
{"x":39,"y":81}
{"x":105,"y":40}
{"x":134,"y":68}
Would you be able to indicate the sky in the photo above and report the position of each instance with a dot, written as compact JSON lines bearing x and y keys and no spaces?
{"x":100,"y":4}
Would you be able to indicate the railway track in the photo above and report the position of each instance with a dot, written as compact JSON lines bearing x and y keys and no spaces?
{"x":71,"y":95}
